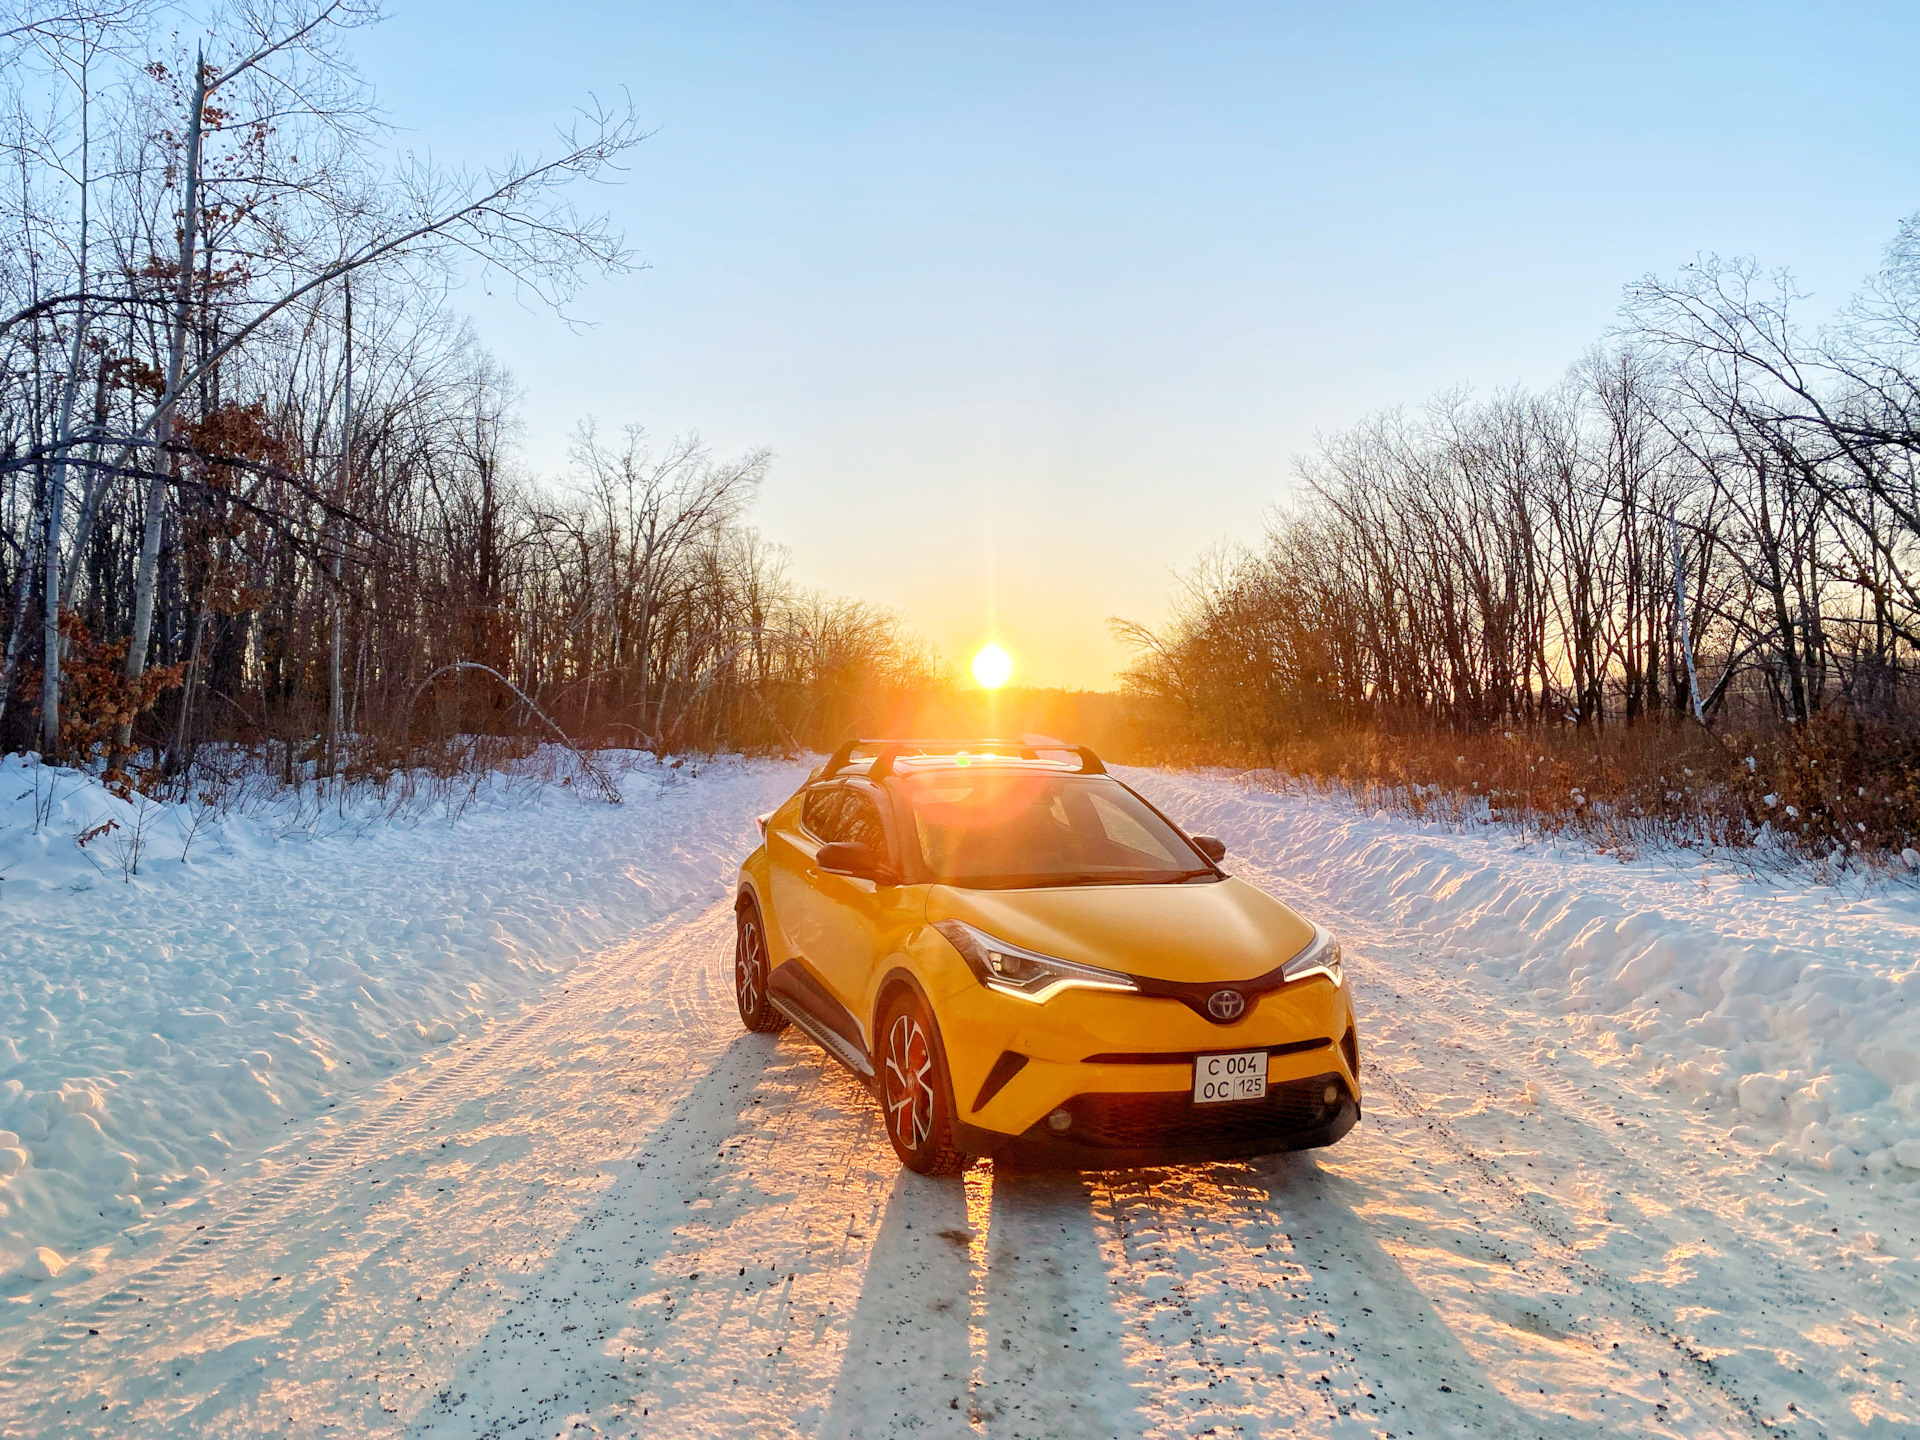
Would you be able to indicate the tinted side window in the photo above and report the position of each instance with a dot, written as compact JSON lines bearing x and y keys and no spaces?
{"x":860,"y":823}
{"x":820,"y":813}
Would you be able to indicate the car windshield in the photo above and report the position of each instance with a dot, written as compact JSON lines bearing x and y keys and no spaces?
{"x":1016,"y":829}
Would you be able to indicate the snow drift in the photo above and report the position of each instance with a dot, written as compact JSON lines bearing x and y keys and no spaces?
{"x":1789,"y":1008}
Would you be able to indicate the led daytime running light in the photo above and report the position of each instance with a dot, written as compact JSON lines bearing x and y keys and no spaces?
{"x":1025,"y":974}
{"x":1321,"y":957}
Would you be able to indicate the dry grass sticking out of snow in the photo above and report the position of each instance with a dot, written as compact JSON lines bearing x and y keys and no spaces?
{"x":1822,"y":802}
{"x":179,"y":982}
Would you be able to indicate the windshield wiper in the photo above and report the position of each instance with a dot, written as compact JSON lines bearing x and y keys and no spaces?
{"x":1128,"y":877}
{"x":1063,"y":878}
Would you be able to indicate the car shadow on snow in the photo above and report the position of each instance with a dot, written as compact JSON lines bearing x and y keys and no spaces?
{"x":1077,"y":1332}
{"x":760,"y":1264}
{"x":1004,"y":1324}
{"x":642,"y":1288}
{"x":908,"y":1364}
{"x":1400,"y":1342}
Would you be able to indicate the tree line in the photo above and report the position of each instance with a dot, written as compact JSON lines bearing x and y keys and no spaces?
{"x":257,"y":476}
{"x":1711,"y":524}
{"x":1716,"y":515}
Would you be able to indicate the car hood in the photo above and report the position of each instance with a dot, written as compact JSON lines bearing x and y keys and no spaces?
{"x":1225,"y":931}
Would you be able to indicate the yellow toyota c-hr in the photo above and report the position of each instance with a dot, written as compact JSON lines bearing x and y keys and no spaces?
{"x":1020,"y":956}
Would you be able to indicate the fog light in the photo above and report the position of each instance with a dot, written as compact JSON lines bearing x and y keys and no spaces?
{"x":1332,"y":1096}
{"x":1058,"y":1121}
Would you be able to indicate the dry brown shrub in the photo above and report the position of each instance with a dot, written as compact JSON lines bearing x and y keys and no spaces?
{"x":1833,"y":788}
{"x":96,"y":696}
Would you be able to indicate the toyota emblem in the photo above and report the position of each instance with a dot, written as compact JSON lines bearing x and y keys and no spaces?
{"x":1226,"y":1005}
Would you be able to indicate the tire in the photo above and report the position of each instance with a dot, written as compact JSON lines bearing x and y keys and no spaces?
{"x":752,"y":971}
{"x":916,"y":1097}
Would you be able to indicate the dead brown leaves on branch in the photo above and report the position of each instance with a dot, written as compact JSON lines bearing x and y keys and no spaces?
{"x":98,"y":698}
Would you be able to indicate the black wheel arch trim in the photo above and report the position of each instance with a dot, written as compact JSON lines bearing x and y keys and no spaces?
{"x":901,"y":975}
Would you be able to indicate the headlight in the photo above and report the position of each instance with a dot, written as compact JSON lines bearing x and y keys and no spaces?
{"x":1321,"y":957}
{"x":1013,"y":971}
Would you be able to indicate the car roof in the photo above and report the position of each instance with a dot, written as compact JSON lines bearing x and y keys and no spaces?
{"x":876,"y":759}
{"x":924,"y":764}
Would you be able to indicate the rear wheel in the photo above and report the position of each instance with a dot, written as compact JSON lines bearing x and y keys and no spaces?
{"x":915,"y":1094}
{"x":752,"y":972}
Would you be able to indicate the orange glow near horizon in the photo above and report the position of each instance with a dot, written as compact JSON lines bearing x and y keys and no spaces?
{"x":992,"y":666}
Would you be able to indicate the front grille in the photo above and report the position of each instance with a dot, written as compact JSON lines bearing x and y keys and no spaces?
{"x":1170,"y":1118}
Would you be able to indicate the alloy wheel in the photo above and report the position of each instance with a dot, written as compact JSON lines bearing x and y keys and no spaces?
{"x":909,"y":1083}
{"x":750,"y":968}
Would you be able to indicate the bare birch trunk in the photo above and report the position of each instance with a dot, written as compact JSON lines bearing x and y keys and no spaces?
{"x":332,"y":757}
{"x":56,"y":507}
{"x":163,"y":421}
{"x":1680,"y":611}
{"x":75,"y":571}
{"x":18,"y":616}
{"x":57,"y":492}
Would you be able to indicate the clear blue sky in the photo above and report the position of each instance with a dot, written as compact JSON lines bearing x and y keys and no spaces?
{"x":1035,"y":302}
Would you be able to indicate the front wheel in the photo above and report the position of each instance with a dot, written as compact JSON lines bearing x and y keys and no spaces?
{"x":752,"y":972}
{"x":915,"y":1094}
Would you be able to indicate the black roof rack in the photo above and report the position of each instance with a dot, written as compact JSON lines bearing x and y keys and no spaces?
{"x":885,"y":752}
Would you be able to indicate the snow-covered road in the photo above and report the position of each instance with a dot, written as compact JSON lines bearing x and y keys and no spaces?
{"x":618,"y":1213}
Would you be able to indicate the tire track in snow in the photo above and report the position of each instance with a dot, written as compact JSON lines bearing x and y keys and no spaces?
{"x":1280,"y":1354}
{"x":1567,"y":1256}
{"x":1799,"y":1280}
{"x":1398,"y":967}
{"x":1731,"y":1210}
{"x":1518,"y":1197}
{"x":360,"y":1139}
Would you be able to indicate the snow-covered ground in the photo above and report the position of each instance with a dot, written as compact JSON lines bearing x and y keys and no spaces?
{"x":1635,"y":1159}
{"x":155,"y":1026}
{"x":1791,"y":1009}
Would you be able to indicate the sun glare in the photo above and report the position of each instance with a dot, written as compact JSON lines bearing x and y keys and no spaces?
{"x":992,"y":667}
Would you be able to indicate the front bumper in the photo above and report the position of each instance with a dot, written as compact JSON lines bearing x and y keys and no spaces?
{"x":1124,"y":1130}
{"x":1093,"y":1043}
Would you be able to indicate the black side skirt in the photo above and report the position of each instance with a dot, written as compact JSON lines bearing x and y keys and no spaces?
{"x":797,"y":994}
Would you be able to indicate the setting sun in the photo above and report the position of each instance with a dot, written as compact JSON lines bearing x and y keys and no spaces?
{"x":992,"y":667}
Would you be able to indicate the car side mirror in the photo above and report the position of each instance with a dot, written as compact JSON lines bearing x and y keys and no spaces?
{"x":1211,"y":846}
{"x":843,"y":857}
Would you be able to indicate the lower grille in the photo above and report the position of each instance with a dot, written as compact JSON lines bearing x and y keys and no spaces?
{"x":1170,"y":1118}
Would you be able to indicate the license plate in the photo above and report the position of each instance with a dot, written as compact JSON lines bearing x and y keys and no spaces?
{"x":1241,"y":1075}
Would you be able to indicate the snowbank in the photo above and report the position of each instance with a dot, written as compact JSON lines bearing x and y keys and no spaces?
{"x":1790,"y":1009}
{"x":154,"y":1026}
